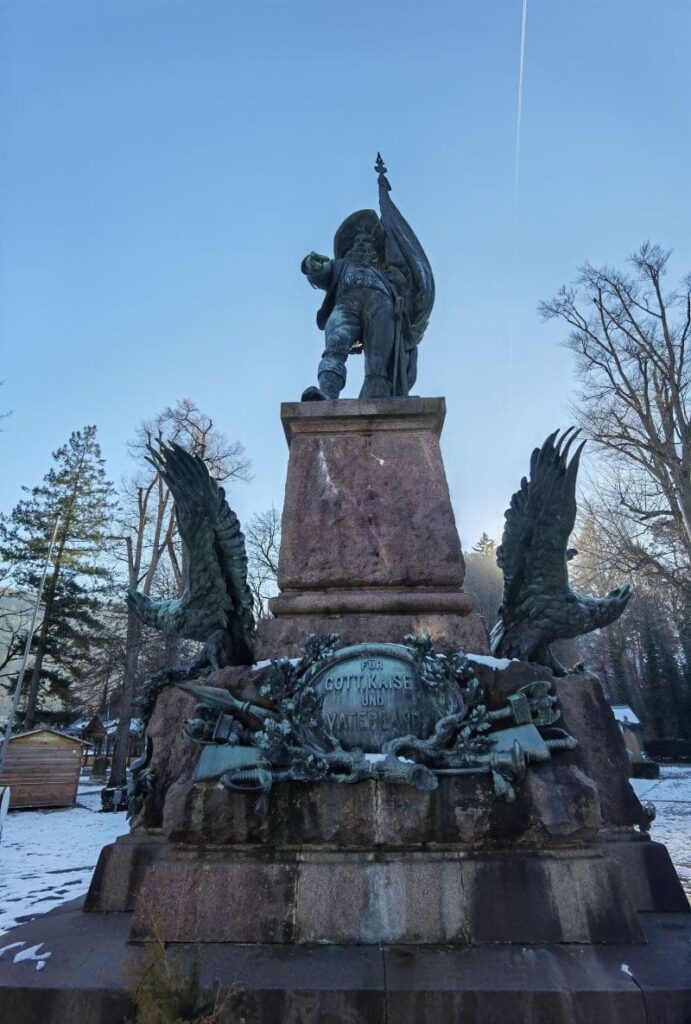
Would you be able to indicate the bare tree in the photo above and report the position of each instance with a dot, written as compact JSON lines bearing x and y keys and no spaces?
{"x":631,"y":342}
{"x":639,"y":657}
{"x":263,"y":538}
{"x":148,"y":531}
{"x":186,"y":425}
{"x":15,"y":614}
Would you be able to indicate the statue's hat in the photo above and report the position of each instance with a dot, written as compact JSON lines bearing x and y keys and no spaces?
{"x":361,"y":221}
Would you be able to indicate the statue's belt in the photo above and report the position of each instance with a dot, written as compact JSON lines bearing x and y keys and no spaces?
{"x":374,"y":282}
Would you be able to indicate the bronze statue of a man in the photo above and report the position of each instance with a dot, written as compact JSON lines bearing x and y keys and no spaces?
{"x":379,"y":296}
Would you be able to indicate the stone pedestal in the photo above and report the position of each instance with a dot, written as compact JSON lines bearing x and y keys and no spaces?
{"x":378,"y":864}
{"x":427,"y":897}
{"x":376,"y":902}
{"x":369,"y":546}
{"x":85,"y":980}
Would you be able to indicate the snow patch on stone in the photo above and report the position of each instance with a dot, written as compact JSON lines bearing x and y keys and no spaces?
{"x":12,"y":945}
{"x":485,"y":659}
{"x":268,"y":661}
{"x":32,"y":953}
{"x":374,"y":758}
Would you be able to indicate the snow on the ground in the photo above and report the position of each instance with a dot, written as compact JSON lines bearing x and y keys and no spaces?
{"x":671,"y":794}
{"x":47,"y":857}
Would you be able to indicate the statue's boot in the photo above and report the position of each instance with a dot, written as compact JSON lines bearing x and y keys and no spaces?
{"x":312,"y":394}
{"x":330,"y":386}
{"x":375,"y":386}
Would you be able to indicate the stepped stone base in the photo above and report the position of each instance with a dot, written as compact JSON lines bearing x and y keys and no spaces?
{"x":556,"y":804}
{"x":644,"y":867}
{"x":365,"y":898}
{"x":85,"y":981}
{"x":376,"y":863}
{"x":590,"y":893}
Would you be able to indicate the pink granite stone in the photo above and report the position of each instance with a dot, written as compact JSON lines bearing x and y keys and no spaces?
{"x":369,"y":545}
{"x":555,"y":804}
{"x":367,"y":502}
{"x":309,"y":897}
{"x":369,"y":898}
{"x":246,"y":899}
{"x":173,"y":756}
{"x":285,"y":635}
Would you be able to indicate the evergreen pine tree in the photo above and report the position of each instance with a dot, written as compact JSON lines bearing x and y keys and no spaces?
{"x":621,"y":691}
{"x":485,"y":546}
{"x":75,"y":492}
{"x":685,"y":641}
{"x":664,"y":679}
{"x":685,"y":716}
{"x":655,"y":695}
{"x":616,"y":664}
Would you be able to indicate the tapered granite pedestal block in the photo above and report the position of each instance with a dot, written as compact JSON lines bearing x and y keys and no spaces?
{"x":369,"y":546}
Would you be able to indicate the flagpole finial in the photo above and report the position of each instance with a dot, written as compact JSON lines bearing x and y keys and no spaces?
{"x":380,"y":168}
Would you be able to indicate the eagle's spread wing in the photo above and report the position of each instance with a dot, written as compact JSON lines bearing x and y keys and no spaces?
{"x":538,"y":524}
{"x":538,"y":604}
{"x":540,"y":520}
{"x":216,"y":596}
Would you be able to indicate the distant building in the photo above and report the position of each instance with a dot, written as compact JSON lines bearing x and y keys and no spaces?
{"x":99,"y":734}
{"x":630,"y":724}
{"x":625,"y":715}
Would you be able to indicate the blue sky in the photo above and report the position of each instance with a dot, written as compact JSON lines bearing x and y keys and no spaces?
{"x":166,"y":165}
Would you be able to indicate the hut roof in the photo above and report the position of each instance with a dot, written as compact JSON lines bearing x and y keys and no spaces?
{"x":45,"y":728}
{"x":78,"y":726}
{"x":111,"y":726}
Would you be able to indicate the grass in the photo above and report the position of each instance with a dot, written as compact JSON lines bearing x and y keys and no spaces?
{"x":166,"y":988}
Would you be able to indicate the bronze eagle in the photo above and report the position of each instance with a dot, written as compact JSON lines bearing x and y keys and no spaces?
{"x":216,"y":604}
{"x":538,"y":605}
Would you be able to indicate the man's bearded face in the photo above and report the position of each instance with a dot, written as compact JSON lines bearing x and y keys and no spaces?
{"x":364,"y":249}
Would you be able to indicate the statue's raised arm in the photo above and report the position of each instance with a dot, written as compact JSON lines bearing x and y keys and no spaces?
{"x":379,"y":296}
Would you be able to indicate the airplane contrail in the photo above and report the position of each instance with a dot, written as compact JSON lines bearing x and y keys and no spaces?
{"x":514,"y":233}
{"x":519,"y":110}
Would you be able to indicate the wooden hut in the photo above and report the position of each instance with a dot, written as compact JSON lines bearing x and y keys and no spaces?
{"x":42,"y":769}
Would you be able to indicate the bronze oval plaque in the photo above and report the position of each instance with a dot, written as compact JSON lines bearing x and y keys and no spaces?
{"x":372,"y":693}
